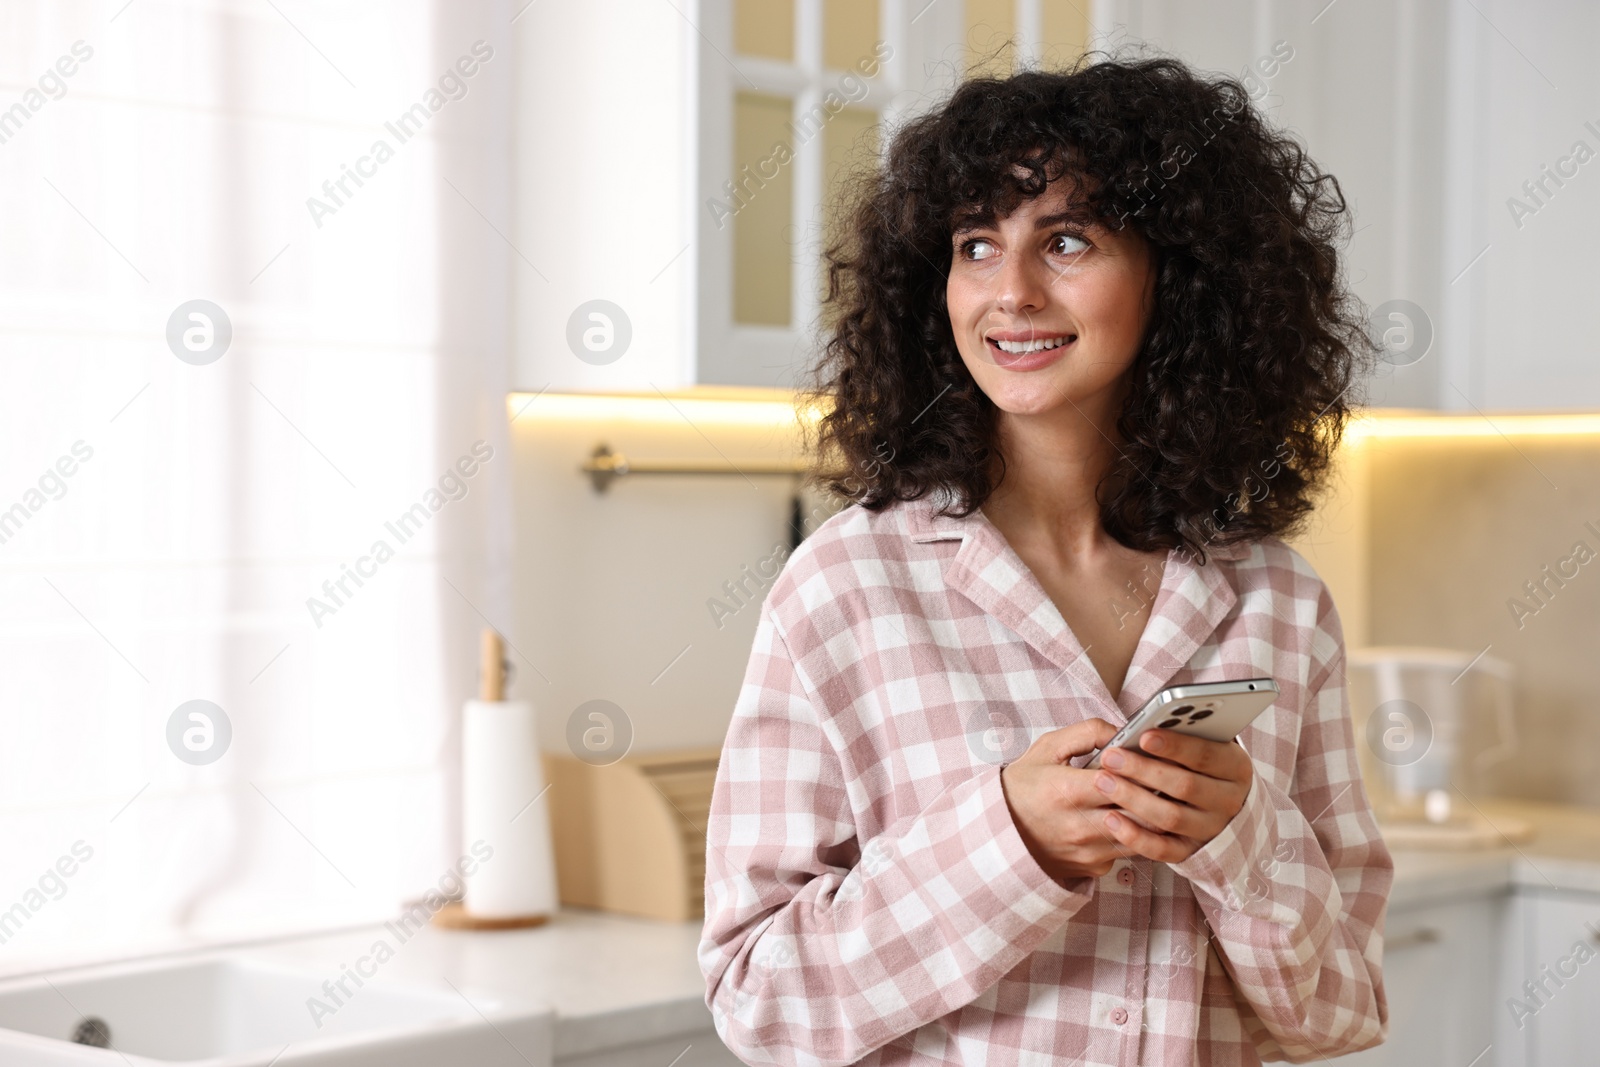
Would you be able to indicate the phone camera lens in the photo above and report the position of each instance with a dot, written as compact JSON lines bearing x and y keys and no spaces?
{"x":1184,"y":710}
{"x":1171,"y":723}
{"x":1197,"y":716}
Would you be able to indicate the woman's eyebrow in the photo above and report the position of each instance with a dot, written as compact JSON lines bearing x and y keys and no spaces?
{"x":986,"y":220}
{"x":1060,"y":217}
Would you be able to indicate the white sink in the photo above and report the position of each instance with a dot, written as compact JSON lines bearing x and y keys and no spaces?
{"x":225,"y":1010}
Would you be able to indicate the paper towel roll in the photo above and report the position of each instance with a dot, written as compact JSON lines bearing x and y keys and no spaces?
{"x":503,"y":804}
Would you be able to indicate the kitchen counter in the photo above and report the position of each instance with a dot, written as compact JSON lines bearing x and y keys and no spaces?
{"x":611,"y":980}
{"x":1564,"y":856}
{"x":615,"y":981}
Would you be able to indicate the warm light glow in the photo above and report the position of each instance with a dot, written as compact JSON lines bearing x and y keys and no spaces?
{"x":772,"y":408}
{"x":1386,"y":424}
{"x":776,"y":408}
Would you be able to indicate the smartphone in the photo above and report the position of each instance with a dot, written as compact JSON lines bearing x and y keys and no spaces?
{"x":1217,"y":711}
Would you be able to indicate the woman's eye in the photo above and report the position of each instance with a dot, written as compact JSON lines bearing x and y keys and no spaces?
{"x":978,"y":249}
{"x":1064,"y":244}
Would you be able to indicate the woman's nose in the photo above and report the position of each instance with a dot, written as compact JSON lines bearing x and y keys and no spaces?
{"x":1022,"y":284}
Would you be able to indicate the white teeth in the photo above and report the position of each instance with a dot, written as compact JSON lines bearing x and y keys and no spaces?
{"x":1018,"y":348}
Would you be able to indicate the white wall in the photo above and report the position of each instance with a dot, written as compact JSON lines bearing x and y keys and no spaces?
{"x":611,"y":587}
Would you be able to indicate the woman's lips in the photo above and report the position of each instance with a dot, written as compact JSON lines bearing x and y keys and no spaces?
{"x":1026,"y":361}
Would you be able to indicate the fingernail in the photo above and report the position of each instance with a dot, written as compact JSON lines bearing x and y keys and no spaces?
{"x":1112,"y":759}
{"x":1113,"y":822}
{"x":1153,"y":740}
{"x":1105,"y":783}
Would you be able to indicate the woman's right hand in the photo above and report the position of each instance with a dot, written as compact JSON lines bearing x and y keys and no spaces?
{"x":1055,"y":806}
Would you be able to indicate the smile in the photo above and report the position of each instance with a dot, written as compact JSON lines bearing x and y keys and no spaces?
{"x":1026,"y":350}
{"x":1022,"y":348}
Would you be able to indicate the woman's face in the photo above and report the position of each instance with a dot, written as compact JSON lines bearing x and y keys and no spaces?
{"x":1047,"y":314}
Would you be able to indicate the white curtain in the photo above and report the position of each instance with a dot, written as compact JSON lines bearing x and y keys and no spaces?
{"x":181,"y":529}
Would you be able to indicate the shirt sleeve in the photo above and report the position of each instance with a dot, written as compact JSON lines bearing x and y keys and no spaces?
{"x":819,"y":948}
{"x":1296,"y":886}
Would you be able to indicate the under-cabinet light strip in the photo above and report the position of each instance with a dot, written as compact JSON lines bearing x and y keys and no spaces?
{"x":779,"y":412}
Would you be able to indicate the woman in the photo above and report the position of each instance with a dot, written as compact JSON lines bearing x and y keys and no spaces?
{"x":1090,"y":358}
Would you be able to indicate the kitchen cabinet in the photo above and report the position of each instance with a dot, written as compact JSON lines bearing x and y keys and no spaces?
{"x":1550,"y":1008}
{"x":674,"y":168}
{"x":1456,"y":974}
{"x":1473,"y":188}
{"x":1439,"y":965}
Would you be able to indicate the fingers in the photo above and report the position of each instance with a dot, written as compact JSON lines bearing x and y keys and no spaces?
{"x":1178,"y":782}
{"x":1166,"y":816}
{"x":1224,"y":760}
{"x":1170,"y":798}
{"x":1073,"y":789}
{"x":1080,"y":738}
{"x":1081,"y":826}
{"x":1163,"y":848}
{"x":1071,"y":807}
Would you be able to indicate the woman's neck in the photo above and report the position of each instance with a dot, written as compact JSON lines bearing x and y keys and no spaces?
{"x":1053,"y":465}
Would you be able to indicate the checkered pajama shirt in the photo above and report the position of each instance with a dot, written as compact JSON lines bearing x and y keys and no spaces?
{"x":869,"y":899}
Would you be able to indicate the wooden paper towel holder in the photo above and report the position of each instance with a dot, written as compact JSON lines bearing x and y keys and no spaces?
{"x":454,"y":916}
{"x":630,"y":837}
{"x":492,"y":670}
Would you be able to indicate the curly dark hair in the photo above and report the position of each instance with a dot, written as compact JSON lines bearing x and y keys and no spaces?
{"x":1239,"y":393}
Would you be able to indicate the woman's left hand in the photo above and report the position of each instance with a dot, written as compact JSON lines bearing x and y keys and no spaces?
{"x":1204,"y":782}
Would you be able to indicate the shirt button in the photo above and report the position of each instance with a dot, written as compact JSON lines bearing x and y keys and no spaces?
{"x":1119,"y":1016}
{"x":1125,"y":876}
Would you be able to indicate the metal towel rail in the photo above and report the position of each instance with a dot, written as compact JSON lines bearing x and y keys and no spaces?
{"x":605,"y":466}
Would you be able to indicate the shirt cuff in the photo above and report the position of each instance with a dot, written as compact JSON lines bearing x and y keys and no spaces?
{"x":1224,"y":867}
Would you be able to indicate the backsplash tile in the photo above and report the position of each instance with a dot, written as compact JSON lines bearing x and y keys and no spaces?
{"x":1458,"y":528}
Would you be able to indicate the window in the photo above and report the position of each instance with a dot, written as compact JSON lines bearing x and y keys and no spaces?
{"x":795,"y":97}
{"x":817,"y":66}
{"x":176,"y":493}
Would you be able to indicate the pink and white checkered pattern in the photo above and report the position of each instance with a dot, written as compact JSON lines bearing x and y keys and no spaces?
{"x":869,"y":900}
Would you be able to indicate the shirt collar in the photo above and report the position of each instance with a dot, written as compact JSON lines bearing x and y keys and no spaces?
{"x":925,"y":524}
{"x":1192,"y":601}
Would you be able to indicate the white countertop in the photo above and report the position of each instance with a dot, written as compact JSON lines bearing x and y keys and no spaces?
{"x":614,"y":981}
{"x":611,"y":980}
{"x":1564,"y":856}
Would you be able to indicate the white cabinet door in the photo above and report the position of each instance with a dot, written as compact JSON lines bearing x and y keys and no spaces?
{"x":603,"y":203}
{"x":675,"y":169}
{"x":1537,"y":190}
{"x":1555,"y":1000}
{"x":1511,"y":1039}
{"x":1475,"y":190}
{"x":1439,"y":965}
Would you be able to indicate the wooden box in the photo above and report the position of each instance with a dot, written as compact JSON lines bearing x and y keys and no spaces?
{"x":630,"y":837}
